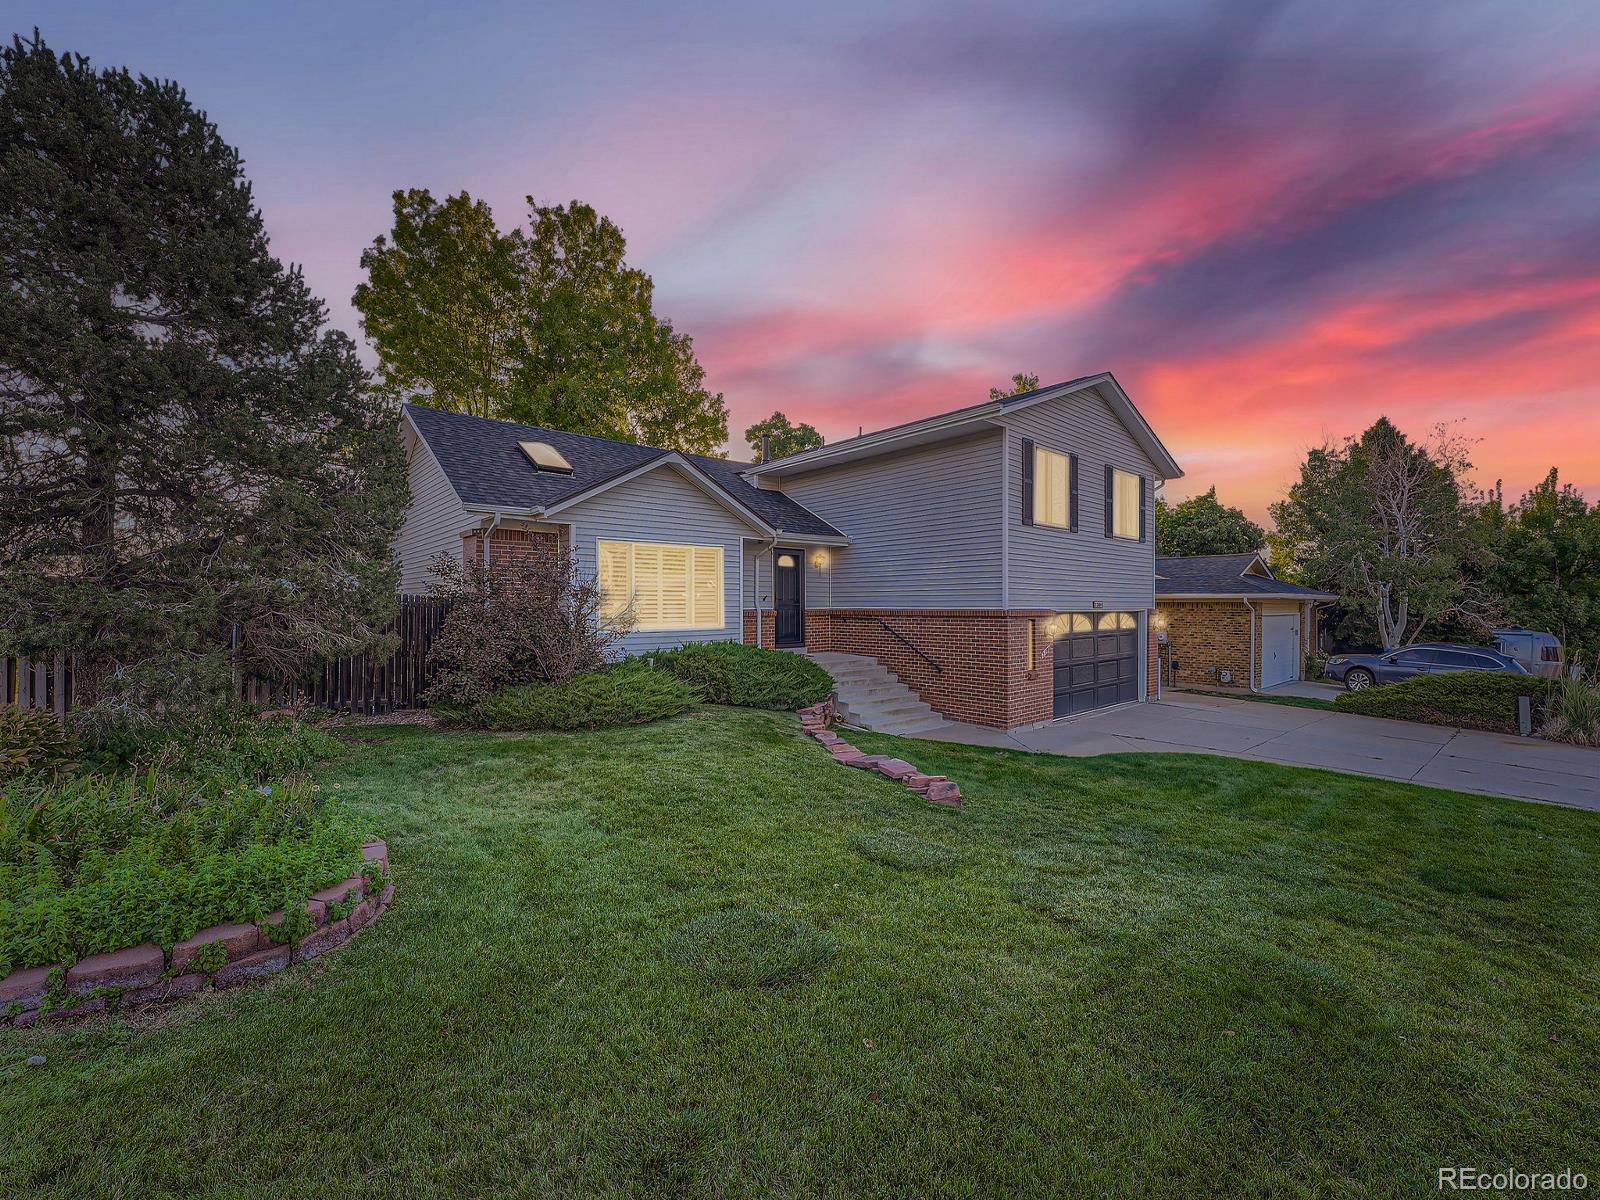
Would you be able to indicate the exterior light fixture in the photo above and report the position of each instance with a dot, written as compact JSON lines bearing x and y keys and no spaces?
{"x":819,"y":559}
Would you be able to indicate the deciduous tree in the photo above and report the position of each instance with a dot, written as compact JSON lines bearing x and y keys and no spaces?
{"x":1020,"y":383}
{"x":785,"y":439}
{"x":1203,"y":525}
{"x":1387,"y":523}
{"x":190,"y":456}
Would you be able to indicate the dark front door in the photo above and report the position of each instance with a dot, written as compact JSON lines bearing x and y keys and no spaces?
{"x":1096,"y":657}
{"x":789,"y":596}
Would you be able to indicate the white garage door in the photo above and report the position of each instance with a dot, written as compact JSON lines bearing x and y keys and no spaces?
{"x":1280,"y":648}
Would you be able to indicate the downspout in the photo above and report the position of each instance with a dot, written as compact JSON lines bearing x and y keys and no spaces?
{"x":1252,"y":675}
{"x":489,"y":533}
{"x":756,"y":589}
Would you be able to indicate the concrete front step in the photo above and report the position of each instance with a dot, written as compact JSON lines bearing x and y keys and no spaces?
{"x":872,"y":696}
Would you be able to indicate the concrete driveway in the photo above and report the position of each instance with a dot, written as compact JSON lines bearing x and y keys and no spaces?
{"x":1490,"y":763}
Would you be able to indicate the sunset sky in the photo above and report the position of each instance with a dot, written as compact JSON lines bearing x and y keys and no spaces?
{"x":1273,"y":222}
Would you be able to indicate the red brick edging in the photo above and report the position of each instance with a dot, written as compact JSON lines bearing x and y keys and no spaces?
{"x":144,"y":974}
{"x":936,"y":789}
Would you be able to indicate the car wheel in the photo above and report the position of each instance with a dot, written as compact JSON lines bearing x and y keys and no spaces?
{"x":1359,"y":680}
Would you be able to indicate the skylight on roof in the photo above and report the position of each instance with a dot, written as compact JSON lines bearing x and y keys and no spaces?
{"x":546,"y":457}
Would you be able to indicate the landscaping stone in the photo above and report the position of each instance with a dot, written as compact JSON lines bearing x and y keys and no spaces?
{"x":252,"y":966}
{"x":383,"y":901}
{"x":320,"y":941}
{"x":897,"y":769}
{"x":25,"y":988}
{"x":240,"y":939}
{"x":944,"y":792}
{"x":867,"y":762}
{"x":361,"y":915}
{"x":337,"y":893}
{"x":82,"y":1008}
{"x":137,"y":966}
{"x":377,"y":852}
{"x":37,"y":1060}
{"x":167,"y":989}
{"x":828,"y":739}
{"x":23,"y":1020}
{"x":920,"y":782}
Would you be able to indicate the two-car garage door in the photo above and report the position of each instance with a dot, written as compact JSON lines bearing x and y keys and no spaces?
{"x":1096,"y":660}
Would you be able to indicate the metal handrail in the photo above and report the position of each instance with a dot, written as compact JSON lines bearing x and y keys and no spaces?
{"x":894,"y":633}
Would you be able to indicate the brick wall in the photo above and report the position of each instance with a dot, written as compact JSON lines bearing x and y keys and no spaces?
{"x":1207,"y":634}
{"x":985,"y":676}
{"x":769,"y":628}
{"x":508,"y":545}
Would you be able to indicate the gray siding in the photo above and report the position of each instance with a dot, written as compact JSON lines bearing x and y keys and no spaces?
{"x":924,"y":527}
{"x":662,"y":506}
{"x":1054,"y":568}
{"x":433,"y":522}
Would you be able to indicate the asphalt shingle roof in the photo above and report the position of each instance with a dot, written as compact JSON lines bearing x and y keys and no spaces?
{"x":1219,"y":575}
{"x":486,"y":467}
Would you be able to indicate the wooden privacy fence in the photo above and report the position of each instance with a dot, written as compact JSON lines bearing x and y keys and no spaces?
{"x":358,"y":683}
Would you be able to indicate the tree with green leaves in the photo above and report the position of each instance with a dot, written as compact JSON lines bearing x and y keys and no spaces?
{"x":1388,"y":524}
{"x":1204,"y":525}
{"x":195,"y":472}
{"x":548,"y":326}
{"x":1546,"y":561}
{"x":1020,"y":383}
{"x":785,"y":439}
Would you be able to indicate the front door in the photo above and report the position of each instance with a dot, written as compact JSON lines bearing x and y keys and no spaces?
{"x":789,"y":596}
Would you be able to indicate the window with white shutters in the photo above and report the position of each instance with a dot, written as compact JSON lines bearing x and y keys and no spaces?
{"x":669,"y":586}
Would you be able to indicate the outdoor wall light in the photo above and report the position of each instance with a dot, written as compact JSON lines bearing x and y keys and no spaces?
{"x":819,"y":559}
{"x":1159,"y":621}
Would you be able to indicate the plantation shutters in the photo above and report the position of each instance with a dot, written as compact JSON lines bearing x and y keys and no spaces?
{"x":670,"y":586}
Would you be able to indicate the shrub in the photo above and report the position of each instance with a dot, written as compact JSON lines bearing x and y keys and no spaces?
{"x":750,"y":947}
{"x":528,"y":620}
{"x":98,"y":863}
{"x":630,"y":693}
{"x":224,"y":745}
{"x":1469,"y":699}
{"x":731,"y":673}
{"x":1572,"y":713}
{"x":31,"y":739}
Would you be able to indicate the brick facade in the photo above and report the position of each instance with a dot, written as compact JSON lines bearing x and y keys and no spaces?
{"x":508,"y":545}
{"x":984,"y":675}
{"x":1207,"y":637}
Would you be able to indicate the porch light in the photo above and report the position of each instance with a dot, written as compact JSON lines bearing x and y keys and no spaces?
{"x":1159,"y":621}
{"x":819,"y":559}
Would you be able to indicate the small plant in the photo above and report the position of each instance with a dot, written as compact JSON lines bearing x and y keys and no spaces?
{"x":1573,"y":712}
{"x":31,"y":739}
{"x":213,"y":956}
{"x":630,"y":693}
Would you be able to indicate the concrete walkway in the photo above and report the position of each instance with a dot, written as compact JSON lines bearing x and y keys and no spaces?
{"x":1489,"y":763}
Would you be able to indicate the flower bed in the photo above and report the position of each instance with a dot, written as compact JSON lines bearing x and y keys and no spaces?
{"x":221,"y":956}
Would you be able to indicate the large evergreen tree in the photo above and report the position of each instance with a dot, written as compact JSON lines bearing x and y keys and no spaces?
{"x":191,"y":459}
{"x":548,"y":326}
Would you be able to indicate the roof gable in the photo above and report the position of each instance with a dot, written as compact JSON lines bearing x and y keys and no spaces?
{"x":1225,"y":575}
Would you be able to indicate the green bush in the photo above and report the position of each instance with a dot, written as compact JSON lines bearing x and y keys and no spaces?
{"x":31,"y":739}
{"x":1469,"y":699}
{"x":101,"y":862}
{"x":630,"y":693}
{"x":748,"y":676}
{"x":225,"y":745}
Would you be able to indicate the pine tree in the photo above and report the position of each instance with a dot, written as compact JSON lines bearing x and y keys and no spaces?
{"x":190,"y":458}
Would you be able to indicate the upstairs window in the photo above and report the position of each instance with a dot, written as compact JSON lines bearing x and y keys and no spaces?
{"x":1052,"y":485}
{"x":671,"y":587}
{"x":1126,"y":508}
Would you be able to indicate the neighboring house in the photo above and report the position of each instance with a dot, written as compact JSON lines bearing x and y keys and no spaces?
{"x":1228,"y":622}
{"x":998,"y":558}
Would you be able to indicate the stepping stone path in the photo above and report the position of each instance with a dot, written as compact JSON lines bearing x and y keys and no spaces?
{"x":936,"y":789}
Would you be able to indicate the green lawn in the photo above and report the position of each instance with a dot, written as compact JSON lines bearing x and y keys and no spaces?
{"x":1135,"y":975}
{"x":1256,"y":697}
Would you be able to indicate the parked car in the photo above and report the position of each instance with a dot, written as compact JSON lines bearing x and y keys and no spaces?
{"x":1358,"y":671}
{"x":1539,"y":652}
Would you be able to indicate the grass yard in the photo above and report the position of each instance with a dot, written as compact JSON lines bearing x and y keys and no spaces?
{"x":1257,"y":698}
{"x":698,"y":958}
